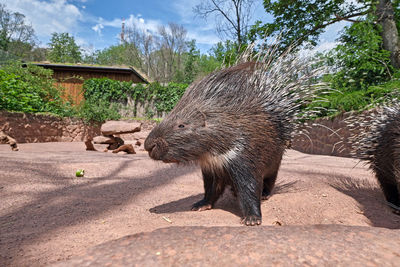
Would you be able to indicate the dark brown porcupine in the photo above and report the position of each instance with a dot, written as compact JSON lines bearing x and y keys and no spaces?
{"x":236,"y":124}
{"x":379,"y":146}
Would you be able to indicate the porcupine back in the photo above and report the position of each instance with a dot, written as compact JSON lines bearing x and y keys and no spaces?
{"x":277,"y":86}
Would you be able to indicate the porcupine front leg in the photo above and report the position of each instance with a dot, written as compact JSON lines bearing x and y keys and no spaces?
{"x":248,"y":190}
{"x":213,"y":188}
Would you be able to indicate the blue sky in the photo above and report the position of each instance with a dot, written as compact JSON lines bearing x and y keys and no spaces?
{"x":96,"y":24}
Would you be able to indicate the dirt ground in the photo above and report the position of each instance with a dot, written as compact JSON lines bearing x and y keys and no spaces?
{"x":48,"y":215}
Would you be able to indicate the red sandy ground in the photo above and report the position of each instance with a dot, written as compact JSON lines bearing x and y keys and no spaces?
{"x":47,"y":214}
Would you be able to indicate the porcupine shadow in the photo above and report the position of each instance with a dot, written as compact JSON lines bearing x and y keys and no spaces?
{"x":227,"y":202}
{"x":370,"y":198}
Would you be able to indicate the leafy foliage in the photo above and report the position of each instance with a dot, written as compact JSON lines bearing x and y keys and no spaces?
{"x":227,"y":53}
{"x":339,"y":102}
{"x":30,"y":89}
{"x":359,"y":59}
{"x":64,"y":49}
{"x":166,"y":97}
{"x":300,"y":22}
{"x":16,"y":37}
{"x":106,"y":93}
{"x":107,"y":90}
{"x":191,"y":68}
{"x":98,"y":110}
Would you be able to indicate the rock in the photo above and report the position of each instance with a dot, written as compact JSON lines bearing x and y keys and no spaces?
{"x":127,"y":148}
{"x":89,"y":145}
{"x":312,"y":245}
{"x":141,"y":134}
{"x":138,"y":143}
{"x":104,"y":139}
{"x":100,"y":147}
{"x":6,"y":139}
{"x":120,"y":127}
{"x":119,"y":142}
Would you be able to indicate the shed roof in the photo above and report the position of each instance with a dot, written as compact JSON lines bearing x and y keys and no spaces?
{"x":93,"y":68}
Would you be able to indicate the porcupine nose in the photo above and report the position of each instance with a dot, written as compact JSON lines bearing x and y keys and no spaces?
{"x":149,"y":144}
{"x":157,"y":147}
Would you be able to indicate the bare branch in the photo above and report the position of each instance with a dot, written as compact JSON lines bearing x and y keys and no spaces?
{"x":234,"y":15}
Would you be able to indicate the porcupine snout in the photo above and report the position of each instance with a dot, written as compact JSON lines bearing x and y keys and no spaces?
{"x":157,"y":147}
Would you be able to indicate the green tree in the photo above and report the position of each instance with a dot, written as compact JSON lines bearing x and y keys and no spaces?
{"x":122,"y":54}
{"x":359,"y":59}
{"x":192,"y":56}
{"x":113,"y":55}
{"x":16,"y":37}
{"x":64,"y":49}
{"x":226,"y":52}
{"x":301,"y":22}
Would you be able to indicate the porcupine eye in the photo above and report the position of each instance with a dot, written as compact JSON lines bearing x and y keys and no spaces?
{"x":181,"y":126}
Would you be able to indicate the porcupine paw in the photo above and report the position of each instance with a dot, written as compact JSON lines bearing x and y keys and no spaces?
{"x":251,"y":220}
{"x":201,"y":205}
{"x":265,"y":196}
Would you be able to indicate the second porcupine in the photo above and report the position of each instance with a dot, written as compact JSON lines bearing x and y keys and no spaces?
{"x":236,"y":123}
{"x":379,"y":145}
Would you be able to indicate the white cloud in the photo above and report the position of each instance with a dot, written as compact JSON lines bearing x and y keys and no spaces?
{"x":47,"y":17}
{"x":203,"y":38}
{"x":97,"y":28}
{"x":138,"y":21}
{"x":81,"y":42}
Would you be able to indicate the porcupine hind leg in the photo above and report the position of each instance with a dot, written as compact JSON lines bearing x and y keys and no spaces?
{"x":248,"y":189}
{"x":214,"y":186}
{"x":268,"y":185}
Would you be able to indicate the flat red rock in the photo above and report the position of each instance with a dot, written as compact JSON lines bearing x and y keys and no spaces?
{"x":120,"y":127}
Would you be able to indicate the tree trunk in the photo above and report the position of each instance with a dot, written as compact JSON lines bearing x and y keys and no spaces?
{"x":390,"y":34}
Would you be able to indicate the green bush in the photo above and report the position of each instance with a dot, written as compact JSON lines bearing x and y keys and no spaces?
{"x":167,"y":97}
{"x":110,"y":91}
{"x":31,"y":89}
{"x":98,"y":111}
{"x":348,"y":100}
{"x":107,"y":89}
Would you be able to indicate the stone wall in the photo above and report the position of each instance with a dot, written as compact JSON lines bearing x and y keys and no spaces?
{"x":323,"y":136}
{"x":326,"y":136}
{"x":31,"y":128}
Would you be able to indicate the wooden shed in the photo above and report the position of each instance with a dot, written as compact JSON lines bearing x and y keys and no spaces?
{"x":71,"y":77}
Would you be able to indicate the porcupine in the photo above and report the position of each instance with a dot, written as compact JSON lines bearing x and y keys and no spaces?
{"x":379,"y":146}
{"x":236,"y":123}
